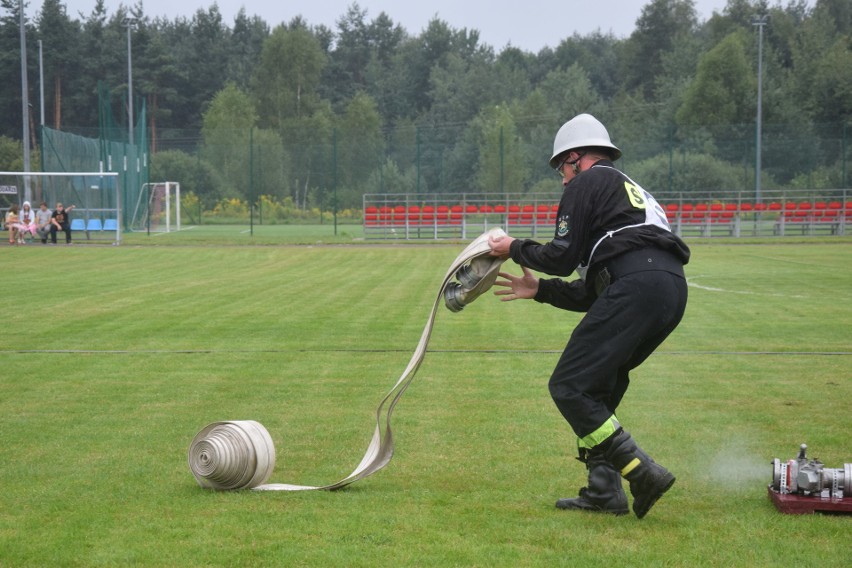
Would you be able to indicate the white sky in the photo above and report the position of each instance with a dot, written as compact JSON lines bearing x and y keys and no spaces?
{"x":527,"y":24}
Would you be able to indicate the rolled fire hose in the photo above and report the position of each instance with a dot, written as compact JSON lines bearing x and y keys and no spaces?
{"x":239,"y":454}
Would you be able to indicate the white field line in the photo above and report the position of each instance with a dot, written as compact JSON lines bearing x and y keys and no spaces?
{"x":693,"y":284}
{"x":176,"y":231}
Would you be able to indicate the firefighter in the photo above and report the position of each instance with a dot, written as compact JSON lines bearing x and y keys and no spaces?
{"x":633,"y":291}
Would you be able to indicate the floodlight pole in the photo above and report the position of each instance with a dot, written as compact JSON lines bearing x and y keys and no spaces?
{"x":41,"y":82}
{"x":334,"y":166}
{"x":25,"y":106}
{"x":759,"y":21}
{"x":129,"y":23}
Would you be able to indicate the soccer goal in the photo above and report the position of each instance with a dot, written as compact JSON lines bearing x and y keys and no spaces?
{"x":92,"y":199}
{"x":157,"y":208}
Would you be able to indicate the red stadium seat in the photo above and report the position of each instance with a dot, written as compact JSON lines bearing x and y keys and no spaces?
{"x":832,"y":211}
{"x":399,"y":215}
{"x":802,"y":212}
{"x":371,"y":215}
{"x":443,"y":215}
{"x":514,"y":214}
{"x":414,"y":215}
{"x":716,"y":210}
{"x":671,"y":211}
{"x":427,"y":216}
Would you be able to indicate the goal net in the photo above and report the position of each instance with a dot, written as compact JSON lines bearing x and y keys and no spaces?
{"x":157,"y":208}
{"x":92,"y":198}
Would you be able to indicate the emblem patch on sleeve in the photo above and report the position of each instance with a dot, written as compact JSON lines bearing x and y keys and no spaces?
{"x":564,"y":226}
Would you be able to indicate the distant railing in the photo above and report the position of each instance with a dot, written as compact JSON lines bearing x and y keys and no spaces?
{"x":705,"y":214}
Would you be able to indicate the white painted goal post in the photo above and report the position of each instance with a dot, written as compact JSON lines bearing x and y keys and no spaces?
{"x":157,"y":208}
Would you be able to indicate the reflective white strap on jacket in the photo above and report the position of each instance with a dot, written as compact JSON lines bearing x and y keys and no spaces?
{"x":654,"y":215}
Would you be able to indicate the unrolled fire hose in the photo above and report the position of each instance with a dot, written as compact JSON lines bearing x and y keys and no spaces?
{"x":239,"y":454}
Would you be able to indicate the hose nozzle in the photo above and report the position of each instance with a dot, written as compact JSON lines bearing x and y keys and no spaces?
{"x":475,"y":277}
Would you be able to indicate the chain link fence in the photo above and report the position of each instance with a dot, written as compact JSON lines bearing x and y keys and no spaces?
{"x":328,"y":173}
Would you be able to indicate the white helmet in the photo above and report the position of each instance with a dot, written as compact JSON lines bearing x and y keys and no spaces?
{"x":582,"y":131}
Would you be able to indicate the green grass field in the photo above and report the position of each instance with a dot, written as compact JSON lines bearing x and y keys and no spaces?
{"x":114,"y":357}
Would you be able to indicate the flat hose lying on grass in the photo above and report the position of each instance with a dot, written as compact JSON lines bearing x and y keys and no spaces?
{"x":239,"y":454}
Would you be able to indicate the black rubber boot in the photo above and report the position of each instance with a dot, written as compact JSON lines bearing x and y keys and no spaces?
{"x":648,"y":479}
{"x":603,"y":494}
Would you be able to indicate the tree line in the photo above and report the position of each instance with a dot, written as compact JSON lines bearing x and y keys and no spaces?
{"x":313,"y":114}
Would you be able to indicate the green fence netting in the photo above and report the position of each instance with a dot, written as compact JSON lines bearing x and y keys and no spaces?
{"x":112,"y":151}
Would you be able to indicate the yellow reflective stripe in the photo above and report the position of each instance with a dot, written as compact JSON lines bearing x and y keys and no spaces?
{"x":600,"y":435}
{"x":630,"y":467}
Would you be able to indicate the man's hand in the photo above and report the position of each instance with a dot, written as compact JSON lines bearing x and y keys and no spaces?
{"x":519,"y":287}
{"x":500,"y":246}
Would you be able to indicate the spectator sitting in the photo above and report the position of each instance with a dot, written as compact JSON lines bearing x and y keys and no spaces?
{"x":60,"y":221}
{"x":12,"y":224}
{"x":43,"y":221}
{"x":27,"y":221}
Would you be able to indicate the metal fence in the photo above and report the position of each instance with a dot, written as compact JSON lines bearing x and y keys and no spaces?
{"x":729,"y":214}
{"x":337,"y":169}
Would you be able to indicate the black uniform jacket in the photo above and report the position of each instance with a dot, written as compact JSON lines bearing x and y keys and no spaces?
{"x":598,"y":210}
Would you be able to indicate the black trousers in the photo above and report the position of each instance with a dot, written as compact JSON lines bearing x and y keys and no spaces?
{"x":65,"y":228}
{"x":627,"y":322}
